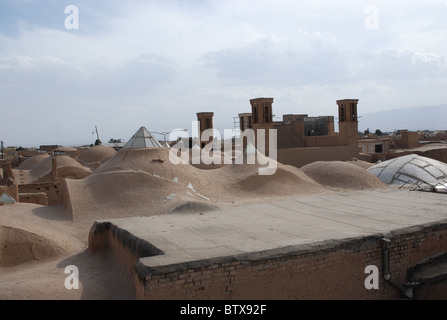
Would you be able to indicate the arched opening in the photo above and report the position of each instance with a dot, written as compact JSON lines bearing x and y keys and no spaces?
{"x":266,"y":114}
{"x":255,"y":114}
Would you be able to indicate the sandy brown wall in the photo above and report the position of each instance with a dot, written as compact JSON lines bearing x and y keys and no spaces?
{"x":290,"y":136}
{"x":125,"y":248}
{"x":299,"y":157}
{"x":37,"y":198}
{"x":437,"y":154}
{"x":52,"y":190}
{"x":329,"y":271}
{"x":326,"y":270}
{"x":322,"y":141}
{"x":410,"y":139}
{"x":66,"y":200}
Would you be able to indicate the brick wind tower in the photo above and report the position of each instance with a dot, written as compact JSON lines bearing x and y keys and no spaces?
{"x":262,"y":119}
{"x":348,"y":121}
{"x":205,"y":120}
{"x":261,"y":110}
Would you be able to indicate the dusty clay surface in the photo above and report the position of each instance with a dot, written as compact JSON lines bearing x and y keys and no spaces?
{"x":37,"y":243}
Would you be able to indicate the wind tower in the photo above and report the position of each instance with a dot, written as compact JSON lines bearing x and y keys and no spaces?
{"x":205,"y":122}
{"x":348,"y":120}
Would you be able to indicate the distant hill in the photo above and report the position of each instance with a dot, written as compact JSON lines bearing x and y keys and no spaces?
{"x":413,"y":119}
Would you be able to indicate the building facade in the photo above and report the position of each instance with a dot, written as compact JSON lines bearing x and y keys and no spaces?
{"x":302,"y":139}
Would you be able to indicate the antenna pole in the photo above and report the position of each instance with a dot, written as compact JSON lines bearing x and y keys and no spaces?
{"x":97,"y":135}
{"x":98,"y":142}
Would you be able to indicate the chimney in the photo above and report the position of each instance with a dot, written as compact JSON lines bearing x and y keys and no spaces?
{"x":55,"y":170}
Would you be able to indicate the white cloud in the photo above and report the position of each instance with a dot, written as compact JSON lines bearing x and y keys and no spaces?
{"x":136,"y":61}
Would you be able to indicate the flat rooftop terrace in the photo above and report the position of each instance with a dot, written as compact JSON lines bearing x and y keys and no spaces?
{"x":286,"y":223}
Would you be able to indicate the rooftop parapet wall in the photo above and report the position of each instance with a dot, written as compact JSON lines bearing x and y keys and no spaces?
{"x":299,"y":157}
{"x":296,"y":247}
{"x":327,"y":270}
{"x":322,"y":141}
{"x":52,"y":190}
{"x":332,"y":269}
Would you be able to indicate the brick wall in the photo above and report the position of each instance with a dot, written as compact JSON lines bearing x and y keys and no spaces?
{"x":37,"y":198}
{"x":299,"y":157}
{"x":326,"y":270}
{"x":52,"y":190}
{"x":322,"y":272}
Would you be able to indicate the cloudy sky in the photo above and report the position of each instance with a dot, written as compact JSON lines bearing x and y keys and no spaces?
{"x":121,"y":65}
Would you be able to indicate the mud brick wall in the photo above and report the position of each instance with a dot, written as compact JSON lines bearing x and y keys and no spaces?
{"x":326,"y":270}
{"x":299,"y":157}
{"x":106,"y":238}
{"x":37,"y":198}
{"x":52,"y":190}
{"x":330,"y":270}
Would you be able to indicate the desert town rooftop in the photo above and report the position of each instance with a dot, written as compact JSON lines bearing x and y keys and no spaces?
{"x":280,"y":225}
{"x":184,"y":231}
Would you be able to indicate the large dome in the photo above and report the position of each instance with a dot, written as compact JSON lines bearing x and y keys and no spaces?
{"x":412,"y":170}
{"x":342,"y":175}
{"x":67,"y":168}
{"x":96,"y":156}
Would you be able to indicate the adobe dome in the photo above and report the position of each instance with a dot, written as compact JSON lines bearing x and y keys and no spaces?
{"x":342,"y":175}
{"x":67,"y":168}
{"x":96,"y":156}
